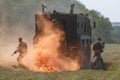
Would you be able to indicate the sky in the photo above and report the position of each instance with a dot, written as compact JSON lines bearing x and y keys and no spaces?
{"x":108,"y":8}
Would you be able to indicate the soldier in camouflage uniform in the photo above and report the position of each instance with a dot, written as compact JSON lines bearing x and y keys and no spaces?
{"x":22,"y":50}
{"x":72,"y":8}
{"x":44,"y":8}
{"x":98,"y":47}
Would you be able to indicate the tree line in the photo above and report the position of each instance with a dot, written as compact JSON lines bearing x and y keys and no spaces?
{"x":23,"y":11}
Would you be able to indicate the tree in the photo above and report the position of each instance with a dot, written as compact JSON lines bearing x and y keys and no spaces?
{"x":23,"y":11}
{"x":116,"y":34}
{"x":103,"y":26}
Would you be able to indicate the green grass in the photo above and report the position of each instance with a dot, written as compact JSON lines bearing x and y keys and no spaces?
{"x":111,"y":56}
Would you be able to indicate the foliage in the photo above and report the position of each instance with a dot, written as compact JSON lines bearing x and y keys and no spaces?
{"x":116,"y":34}
{"x":103,"y":26}
{"x":23,"y":11}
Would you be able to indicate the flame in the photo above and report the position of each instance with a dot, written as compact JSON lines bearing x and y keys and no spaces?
{"x":45,"y":55}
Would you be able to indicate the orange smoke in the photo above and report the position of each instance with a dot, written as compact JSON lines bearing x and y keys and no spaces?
{"x":45,"y":55}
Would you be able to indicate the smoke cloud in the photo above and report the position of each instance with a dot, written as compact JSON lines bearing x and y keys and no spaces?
{"x":9,"y":35}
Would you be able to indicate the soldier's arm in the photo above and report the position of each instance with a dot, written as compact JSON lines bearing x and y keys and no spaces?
{"x":14,"y":52}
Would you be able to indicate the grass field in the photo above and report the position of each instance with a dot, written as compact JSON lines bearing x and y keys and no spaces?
{"x":111,"y":56}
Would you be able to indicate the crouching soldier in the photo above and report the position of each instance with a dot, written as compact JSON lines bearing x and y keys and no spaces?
{"x":98,"y":47}
{"x":22,"y":50}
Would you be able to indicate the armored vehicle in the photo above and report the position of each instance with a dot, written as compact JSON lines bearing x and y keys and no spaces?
{"x":77,"y":30}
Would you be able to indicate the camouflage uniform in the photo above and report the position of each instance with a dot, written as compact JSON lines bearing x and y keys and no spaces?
{"x":98,"y":49}
{"x":22,"y":49}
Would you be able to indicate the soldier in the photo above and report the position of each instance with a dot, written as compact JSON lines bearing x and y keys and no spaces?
{"x":72,"y":8}
{"x":98,"y":47}
{"x":22,"y":50}
{"x":44,"y":7}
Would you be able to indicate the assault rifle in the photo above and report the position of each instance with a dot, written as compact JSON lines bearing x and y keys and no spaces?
{"x":14,"y":52}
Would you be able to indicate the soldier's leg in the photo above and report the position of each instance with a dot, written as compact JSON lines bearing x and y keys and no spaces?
{"x":19,"y":60}
{"x":96,"y":62}
{"x":102,"y":63}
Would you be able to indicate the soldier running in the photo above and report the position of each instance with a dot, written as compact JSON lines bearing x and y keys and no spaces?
{"x":22,"y":50}
{"x":98,"y":47}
